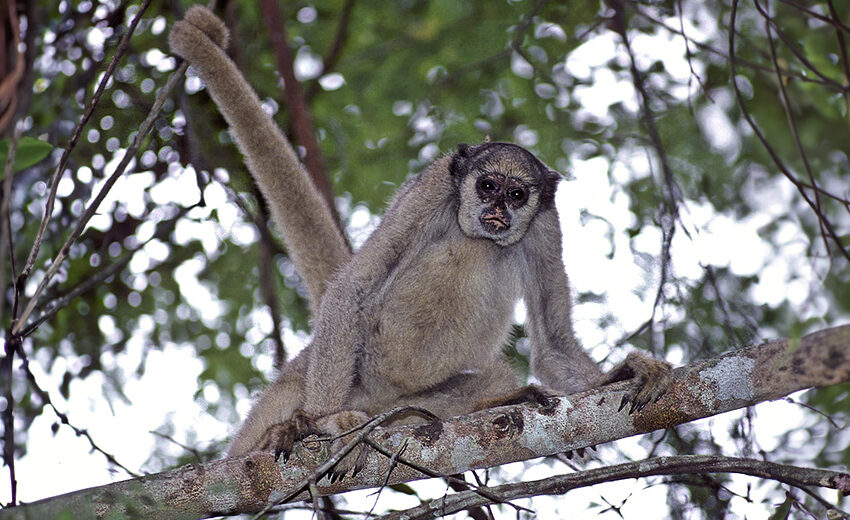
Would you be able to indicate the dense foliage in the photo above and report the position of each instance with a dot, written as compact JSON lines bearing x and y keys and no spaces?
{"x":727,"y":199}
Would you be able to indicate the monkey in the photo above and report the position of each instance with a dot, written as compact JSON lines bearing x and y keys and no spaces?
{"x":418,"y":315}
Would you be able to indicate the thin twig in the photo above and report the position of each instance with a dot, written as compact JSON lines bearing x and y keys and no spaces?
{"x":393,"y":463}
{"x":817,"y":411}
{"x":842,"y":200}
{"x":786,"y":105}
{"x":12,"y":346}
{"x":63,"y":418}
{"x":78,"y":130}
{"x":59,"y":303}
{"x":6,"y":243}
{"x":12,"y":343}
{"x":489,"y":494}
{"x":834,"y":21}
{"x":792,"y":47}
{"x":268,"y":287}
{"x":129,"y":154}
{"x":842,"y":48}
{"x":770,"y":151}
{"x":190,"y":449}
{"x":689,"y":57}
{"x":741,"y":62}
{"x":324,"y":468}
{"x":670,"y":201}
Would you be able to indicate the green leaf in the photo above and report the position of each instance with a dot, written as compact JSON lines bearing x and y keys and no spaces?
{"x":403,"y":488}
{"x":29,"y":152}
{"x":784,"y":509}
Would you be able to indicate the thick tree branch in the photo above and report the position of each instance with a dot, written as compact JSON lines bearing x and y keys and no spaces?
{"x":496,"y":436}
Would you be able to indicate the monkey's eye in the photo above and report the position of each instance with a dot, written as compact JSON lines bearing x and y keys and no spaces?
{"x":487,"y":185}
{"x":517,"y":195}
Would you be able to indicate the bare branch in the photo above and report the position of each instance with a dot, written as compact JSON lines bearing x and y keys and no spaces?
{"x":685,"y":464}
{"x":786,"y":73}
{"x":11,"y":346}
{"x":792,"y":124}
{"x":63,"y":418}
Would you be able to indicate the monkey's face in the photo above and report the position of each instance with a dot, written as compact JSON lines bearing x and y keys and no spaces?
{"x":500,"y":189}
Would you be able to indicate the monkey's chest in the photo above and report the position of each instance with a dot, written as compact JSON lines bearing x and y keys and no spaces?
{"x":453,"y":300}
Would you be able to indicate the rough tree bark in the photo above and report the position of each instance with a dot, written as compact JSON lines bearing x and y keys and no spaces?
{"x":491,"y":437}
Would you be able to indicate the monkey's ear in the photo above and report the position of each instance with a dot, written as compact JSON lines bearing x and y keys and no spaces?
{"x":547,"y":189}
{"x":457,"y":168}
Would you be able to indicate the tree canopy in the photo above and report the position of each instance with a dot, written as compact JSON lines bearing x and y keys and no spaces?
{"x":706,"y":206}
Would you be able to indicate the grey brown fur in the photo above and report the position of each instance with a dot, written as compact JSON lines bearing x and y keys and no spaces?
{"x":419,"y":314}
{"x":313,"y":240}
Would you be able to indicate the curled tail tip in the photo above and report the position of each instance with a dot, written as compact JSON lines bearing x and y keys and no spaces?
{"x":182,"y":37}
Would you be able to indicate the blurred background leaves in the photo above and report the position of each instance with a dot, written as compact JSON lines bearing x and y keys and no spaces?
{"x":389,"y":87}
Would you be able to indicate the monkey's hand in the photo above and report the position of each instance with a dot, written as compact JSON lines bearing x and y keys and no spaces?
{"x":651,"y":379}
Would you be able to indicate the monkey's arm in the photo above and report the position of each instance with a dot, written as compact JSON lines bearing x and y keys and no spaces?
{"x":314,"y":241}
{"x":557,"y":358}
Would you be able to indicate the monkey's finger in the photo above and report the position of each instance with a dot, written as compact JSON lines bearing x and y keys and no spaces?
{"x":282,"y":451}
{"x":635,"y":405}
{"x":337,"y":475}
{"x":360,"y":463}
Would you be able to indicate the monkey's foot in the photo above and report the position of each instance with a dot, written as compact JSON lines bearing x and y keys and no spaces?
{"x":280,"y":437}
{"x":526,"y":394}
{"x":336,"y":425}
{"x":651,"y":379}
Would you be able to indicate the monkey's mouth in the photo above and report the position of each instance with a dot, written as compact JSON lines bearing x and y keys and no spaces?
{"x":495,"y":221}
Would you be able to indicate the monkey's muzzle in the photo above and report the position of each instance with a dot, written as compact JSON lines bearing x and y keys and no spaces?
{"x":495,"y":220}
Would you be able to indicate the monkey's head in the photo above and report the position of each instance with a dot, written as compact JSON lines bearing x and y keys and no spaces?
{"x":501,"y":188}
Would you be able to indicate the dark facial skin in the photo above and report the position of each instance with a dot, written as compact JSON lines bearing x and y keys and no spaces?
{"x":501,"y":194}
